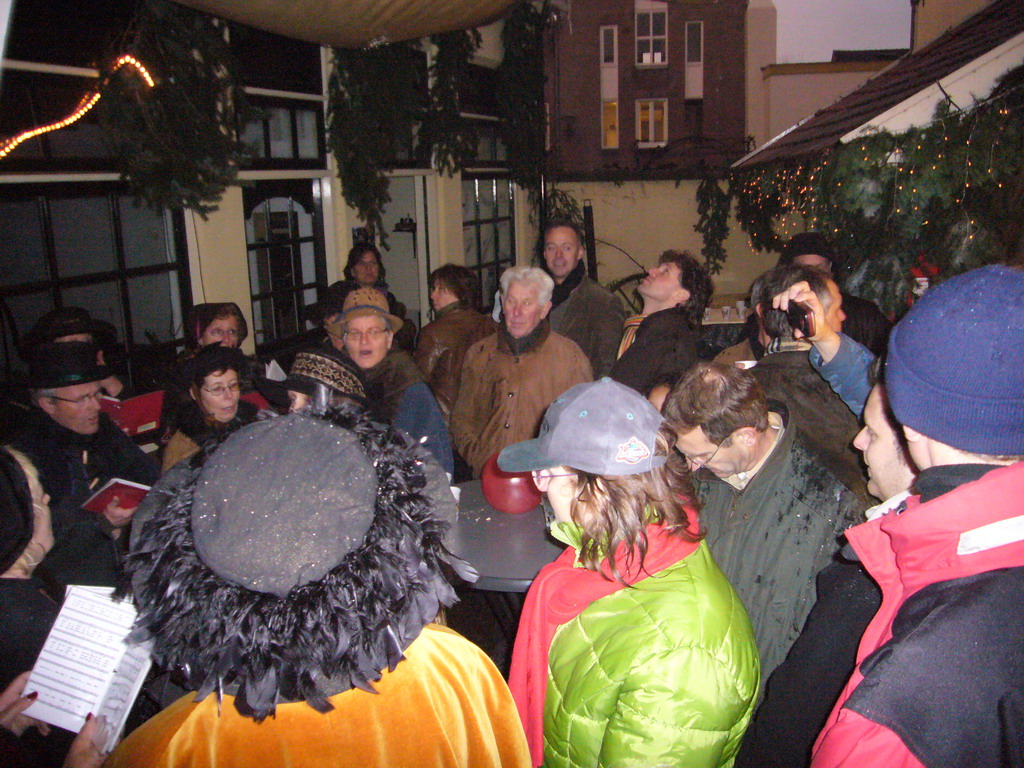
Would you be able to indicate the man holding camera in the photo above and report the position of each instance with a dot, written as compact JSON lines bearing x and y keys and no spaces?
{"x":785,"y":373}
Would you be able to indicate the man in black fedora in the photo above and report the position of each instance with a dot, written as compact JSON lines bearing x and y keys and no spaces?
{"x":74,"y":324}
{"x":77,"y":449}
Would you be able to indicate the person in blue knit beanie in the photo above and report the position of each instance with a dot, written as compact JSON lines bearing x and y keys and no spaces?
{"x":940,"y":670}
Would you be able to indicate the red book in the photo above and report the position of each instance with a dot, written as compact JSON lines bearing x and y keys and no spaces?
{"x":129,"y":495}
{"x":256,"y":399}
{"x":136,"y":414}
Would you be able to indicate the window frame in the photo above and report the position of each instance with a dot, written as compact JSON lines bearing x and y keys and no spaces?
{"x":44,"y":194}
{"x":651,"y":37}
{"x":259,"y":189}
{"x":640,"y":143}
{"x":603,"y":50}
{"x":497,"y":265}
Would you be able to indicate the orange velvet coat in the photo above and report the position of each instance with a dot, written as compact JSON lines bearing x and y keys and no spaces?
{"x":444,"y":705}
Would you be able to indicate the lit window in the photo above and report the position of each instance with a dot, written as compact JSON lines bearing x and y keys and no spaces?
{"x":652,"y":122}
{"x":609,"y":125}
{"x":651,"y":33}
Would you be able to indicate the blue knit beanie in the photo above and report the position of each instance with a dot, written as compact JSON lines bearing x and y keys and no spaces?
{"x":955,"y":370}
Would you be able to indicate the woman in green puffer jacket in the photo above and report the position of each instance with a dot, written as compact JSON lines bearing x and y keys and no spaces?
{"x":642,"y":658}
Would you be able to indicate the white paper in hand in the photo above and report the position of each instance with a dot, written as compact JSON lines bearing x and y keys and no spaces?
{"x":86,"y":666}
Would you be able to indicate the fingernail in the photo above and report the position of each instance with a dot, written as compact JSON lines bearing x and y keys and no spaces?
{"x":88,"y":717}
{"x":34,"y":695}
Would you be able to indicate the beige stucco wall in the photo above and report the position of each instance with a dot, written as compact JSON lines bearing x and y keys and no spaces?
{"x":645,"y":218}
{"x":217,"y":257}
{"x":934,"y":17}
{"x":762,"y":24}
{"x":796,"y":91}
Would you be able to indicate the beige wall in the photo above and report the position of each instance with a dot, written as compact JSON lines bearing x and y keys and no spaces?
{"x":933,"y":17}
{"x":796,"y":91}
{"x":762,"y":36}
{"x":217,"y":257}
{"x":645,"y":218}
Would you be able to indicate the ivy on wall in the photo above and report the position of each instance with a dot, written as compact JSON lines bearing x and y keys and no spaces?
{"x":949,"y":194}
{"x":521,"y":95}
{"x":383,"y":106}
{"x":176,"y":143}
{"x":375,"y":96}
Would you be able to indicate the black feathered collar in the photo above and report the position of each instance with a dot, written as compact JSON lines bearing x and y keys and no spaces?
{"x":324,"y":637}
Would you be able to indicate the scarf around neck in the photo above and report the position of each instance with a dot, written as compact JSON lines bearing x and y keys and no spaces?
{"x":572,"y":280}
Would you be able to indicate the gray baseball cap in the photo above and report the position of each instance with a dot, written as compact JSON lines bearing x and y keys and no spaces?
{"x":601,"y":427}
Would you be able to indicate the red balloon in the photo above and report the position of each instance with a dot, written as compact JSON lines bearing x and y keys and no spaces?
{"x":511,"y":492}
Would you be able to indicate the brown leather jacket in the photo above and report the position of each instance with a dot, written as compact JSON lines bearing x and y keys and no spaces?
{"x":442,"y":349}
{"x":503,"y":396}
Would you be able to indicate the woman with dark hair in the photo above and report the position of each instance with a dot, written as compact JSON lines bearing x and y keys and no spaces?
{"x":364,"y":268}
{"x":633,"y":649}
{"x":215,"y":407}
{"x":215,"y":323}
{"x":457,"y":326}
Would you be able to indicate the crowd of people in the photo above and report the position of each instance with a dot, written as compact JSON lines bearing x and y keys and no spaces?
{"x":807,"y":551}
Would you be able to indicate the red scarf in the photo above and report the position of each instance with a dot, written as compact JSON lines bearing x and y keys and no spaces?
{"x":559,"y":594}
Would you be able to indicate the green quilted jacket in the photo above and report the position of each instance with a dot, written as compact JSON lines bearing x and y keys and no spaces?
{"x":664,"y":673}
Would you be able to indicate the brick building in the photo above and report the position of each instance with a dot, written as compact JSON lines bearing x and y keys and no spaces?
{"x":645,"y":88}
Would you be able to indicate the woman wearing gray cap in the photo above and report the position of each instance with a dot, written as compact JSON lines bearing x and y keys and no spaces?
{"x":633,"y":649}
{"x":294,"y":578}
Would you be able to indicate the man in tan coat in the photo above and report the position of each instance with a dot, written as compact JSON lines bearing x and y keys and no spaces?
{"x":510,"y":378}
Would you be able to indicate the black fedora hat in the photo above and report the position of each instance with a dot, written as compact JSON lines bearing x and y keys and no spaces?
{"x":67,"y":321}
{"x":65,"y":364}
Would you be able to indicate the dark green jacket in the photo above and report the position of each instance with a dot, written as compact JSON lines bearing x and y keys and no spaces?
{"x":772,"y":538}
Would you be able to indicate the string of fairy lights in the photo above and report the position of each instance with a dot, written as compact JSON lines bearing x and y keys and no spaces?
{"x":88,"y":101}
{"x":790,"y":198}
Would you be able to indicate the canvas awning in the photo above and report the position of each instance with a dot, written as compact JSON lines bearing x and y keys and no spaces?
{"x":356,"y":23}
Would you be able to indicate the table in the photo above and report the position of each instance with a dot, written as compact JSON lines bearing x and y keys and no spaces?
{"x":507,"y":550}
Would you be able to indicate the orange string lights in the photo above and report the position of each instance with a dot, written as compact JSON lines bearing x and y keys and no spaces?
{"x":88,"y":102}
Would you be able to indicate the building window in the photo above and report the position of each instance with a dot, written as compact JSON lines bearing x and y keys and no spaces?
{"x":609,"y":45}
{"x":89,"y":245}
{"x":652,"y":122}
{"x":694,"y":77}
{"x":609,"y":125}
{"x":488,"y":226}
{"x":288,"y":133}
{"x":651,"y":33}
{"x":287,"y":266}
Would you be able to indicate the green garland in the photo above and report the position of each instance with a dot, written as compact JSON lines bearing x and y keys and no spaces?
{"x":713,"y":225}
{"x":521,"y":95}
{"x":380,"y":108}
{"x":176,"y":143}
{"x":453,"y":138}
{"x":944,"y":198}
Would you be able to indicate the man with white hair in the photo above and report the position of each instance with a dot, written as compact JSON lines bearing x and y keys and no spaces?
{"x":510,"y":378}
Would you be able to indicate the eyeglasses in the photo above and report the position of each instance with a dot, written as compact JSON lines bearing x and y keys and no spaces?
{"x":697,"y":464}
{"x":222,"y":389}
{"x":543,"y":475}
{"x":80,"y":401}
{"x":371,"y":334}
{"x":220,"y":333}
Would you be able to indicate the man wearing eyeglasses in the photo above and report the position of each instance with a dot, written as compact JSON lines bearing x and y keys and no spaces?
{"x":771,"y":508}
{"x":77,"y":449}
